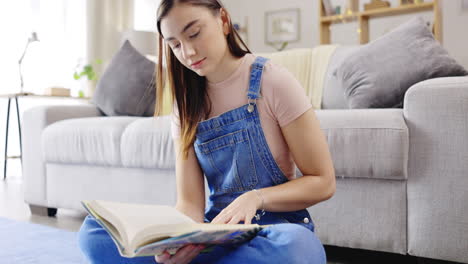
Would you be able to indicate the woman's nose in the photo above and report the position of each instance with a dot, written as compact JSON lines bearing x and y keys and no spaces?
{"x":188,"y":51}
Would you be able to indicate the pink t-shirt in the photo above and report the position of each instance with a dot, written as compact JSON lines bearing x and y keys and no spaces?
{"x":283,"y":100}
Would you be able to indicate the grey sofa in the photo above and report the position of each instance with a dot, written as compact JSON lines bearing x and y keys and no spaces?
{"x":402,"y":174}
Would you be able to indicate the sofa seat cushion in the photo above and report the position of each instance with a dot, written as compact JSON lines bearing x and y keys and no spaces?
{"x":119,"y":141}
{"x":94,"y":141}
{"x":147,"y":143}
{"x":367,"y":143}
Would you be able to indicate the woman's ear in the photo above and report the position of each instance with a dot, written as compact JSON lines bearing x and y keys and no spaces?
{"x":226,"y":21}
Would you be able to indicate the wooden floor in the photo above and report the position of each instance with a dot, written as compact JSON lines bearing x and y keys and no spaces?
{"x":12,"y":206}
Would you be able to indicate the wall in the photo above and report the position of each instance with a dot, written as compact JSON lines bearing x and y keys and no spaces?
{"x":453,"y":17}
{"x":455,"y":21}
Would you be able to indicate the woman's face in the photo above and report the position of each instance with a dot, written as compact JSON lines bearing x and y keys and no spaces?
{"x":196,"y":36}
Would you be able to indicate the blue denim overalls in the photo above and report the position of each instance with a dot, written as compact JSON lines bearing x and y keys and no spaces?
{"x":233,"y":153}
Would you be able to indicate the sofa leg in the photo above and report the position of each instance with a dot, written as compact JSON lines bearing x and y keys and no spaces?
{"x":42,"y":211}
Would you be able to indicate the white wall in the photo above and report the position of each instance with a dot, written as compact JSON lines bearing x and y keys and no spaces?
{"x":255,"y":10}
{"x":455,"y":21}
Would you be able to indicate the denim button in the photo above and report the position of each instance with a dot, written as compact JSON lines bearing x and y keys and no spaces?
{"x":306,"y":220}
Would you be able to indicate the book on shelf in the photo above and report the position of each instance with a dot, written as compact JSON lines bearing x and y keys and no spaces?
{"x":148,"y":230}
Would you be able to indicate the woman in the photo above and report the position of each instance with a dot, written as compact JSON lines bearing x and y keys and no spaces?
{"x":244,"y":123}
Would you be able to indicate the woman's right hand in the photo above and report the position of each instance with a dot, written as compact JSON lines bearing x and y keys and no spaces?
{"x":182,"y":256}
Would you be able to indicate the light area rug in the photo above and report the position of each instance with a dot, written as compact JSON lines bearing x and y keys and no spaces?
{"x":27,"y":243}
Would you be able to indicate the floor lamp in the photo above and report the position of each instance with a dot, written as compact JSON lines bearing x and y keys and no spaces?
{"x":32,"y":38}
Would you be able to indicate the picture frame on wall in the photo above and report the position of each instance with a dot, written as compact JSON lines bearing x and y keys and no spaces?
{"x":328,"y":8}
{"x":282,"y":26}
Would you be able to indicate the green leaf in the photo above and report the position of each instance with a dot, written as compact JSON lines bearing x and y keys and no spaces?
{"x":88,"y":68}
{"x":91,"y":76}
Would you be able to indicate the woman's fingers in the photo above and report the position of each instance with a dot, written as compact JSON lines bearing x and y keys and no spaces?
{"x":248,"y":219}
{"x":236,"y":219}
{"x":186,"y":254}
{"x":193,"y":254}
{"x":182,"y":254}
{"x":163,"y":257}
{"x":222,"y":218}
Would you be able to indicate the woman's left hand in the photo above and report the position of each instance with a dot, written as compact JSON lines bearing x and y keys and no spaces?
{"x":243,"y":208}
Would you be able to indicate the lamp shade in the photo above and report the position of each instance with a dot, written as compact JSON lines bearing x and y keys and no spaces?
{"x":33,"y":37}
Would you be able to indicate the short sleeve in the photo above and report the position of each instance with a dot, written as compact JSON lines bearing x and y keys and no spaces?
{"x":289,"y":99}
{"x":175,"y":122}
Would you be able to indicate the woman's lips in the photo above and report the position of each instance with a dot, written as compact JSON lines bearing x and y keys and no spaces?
{"x":198,"y":63}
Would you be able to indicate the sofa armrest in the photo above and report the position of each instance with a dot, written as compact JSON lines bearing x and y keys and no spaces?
{"x":34,"y":121}
{"x":436,"y":113}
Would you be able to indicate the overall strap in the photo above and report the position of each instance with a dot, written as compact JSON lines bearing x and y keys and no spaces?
{"x":256,"y":79}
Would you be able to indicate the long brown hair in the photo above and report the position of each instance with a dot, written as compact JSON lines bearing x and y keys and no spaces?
{"x":187,"y":87}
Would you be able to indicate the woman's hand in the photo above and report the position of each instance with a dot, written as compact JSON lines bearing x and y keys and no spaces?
{"x":241,"y":209}
{"x":182,"y":256}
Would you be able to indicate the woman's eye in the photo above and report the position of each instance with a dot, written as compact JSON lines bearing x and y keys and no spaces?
{"x":195,"y":35}
{"x":176,"y":46}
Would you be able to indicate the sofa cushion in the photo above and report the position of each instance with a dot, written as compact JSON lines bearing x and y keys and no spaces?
{"x":147,"y":143}
{"x":94,"y":140}
{"x":378,"y":74}
{"x":140,"y":142}
{"x":333,"y":91}
{"x":367,"y":143}
{"x":127,"y":86}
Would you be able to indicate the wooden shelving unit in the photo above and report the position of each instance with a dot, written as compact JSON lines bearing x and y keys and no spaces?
{"x":363,"y":19}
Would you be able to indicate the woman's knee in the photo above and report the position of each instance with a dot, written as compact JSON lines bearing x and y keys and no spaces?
{"x":93,"y":240}
{"x":302,"y":244}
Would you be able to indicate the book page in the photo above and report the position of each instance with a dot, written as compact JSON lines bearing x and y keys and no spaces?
{"x":136,"y":217}
{"x":109,"y":227}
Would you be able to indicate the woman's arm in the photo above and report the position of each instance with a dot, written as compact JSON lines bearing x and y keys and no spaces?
{"x":190,"y":185}
{"x":311,"y":154}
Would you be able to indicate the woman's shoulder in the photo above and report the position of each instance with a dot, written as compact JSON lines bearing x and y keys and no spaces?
{"x":283,"y":92}
{"x":275,"y":71}
{"x":276,"y":76}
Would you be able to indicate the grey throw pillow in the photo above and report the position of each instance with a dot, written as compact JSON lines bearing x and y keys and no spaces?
{"x":378,"y":74}
{"x":127,"y":86}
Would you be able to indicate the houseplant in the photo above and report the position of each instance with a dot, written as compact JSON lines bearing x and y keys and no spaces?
{"x":86,"y":71}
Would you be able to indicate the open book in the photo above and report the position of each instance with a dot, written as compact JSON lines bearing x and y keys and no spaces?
{"x":148,"y":230}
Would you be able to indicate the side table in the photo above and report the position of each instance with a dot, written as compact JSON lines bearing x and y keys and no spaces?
{"x":16,"y":96}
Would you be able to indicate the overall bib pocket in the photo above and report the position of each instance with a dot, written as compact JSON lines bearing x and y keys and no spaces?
{"x":227,"y":162}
